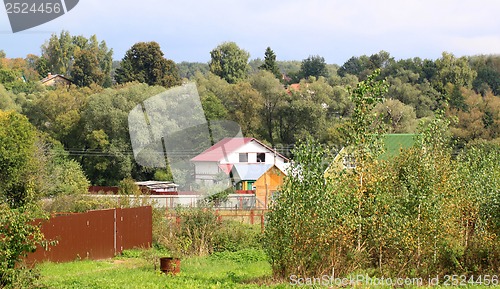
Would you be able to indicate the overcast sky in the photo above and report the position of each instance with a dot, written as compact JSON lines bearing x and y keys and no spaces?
{"x":336,"y":29}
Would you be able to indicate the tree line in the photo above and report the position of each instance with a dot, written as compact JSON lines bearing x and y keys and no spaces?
{"x":278,"y":102}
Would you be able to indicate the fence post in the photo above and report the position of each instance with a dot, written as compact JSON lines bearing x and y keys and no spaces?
{"x":251,"y":217}
{"x":219,"y":217}
{"x":262,"y":222}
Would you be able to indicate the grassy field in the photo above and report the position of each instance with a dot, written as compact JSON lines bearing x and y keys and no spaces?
{"x":244,"y":269}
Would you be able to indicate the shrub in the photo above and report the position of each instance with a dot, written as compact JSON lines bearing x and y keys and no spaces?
{"x":190,"y":233}
{"x":298,"y":236}
{"x":78,"y":203}
{"x":234,"y":236}
{"x":197,"y":231}
{"x":18,"y":236}
{"x":418,"y":214}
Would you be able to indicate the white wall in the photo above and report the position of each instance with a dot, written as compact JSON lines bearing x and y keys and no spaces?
{"x":206,"y":168}
{"x":252,"y":148}
{"x":235,"y":201}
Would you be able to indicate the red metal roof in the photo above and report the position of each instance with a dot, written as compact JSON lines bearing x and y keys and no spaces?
{"x":221,"y":149}
{"x":226,"y":146}
{"x":226,"y":168}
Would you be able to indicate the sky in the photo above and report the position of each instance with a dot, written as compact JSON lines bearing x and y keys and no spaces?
{"x":188,"y":30}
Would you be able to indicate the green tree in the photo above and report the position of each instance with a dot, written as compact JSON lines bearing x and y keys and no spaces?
{"x":58,"y":113}
{"x":7,"y":100}
{"x":229,"y":62}
{"x":456,"y":98}
{"x":92,"y":62}
{"x":422,"y":97}
{"x":145,"y":62}
{"x":297,"y":119}
{"x":93,"y":59}
{"x":255,"y":65}
{"x":270,"y":63}
{"x":213,"y":107}
{"x":301,"y":114}
{"x":479,"y":171}
{"x":399,"y":117}
{"x":19,"y":193}
{"x":104,"y":147}
{"x":481,"y":120}
{"x":488,"y":73}
{"x":479,"y":177}
{"x":188,"y":69}
{"x":298,"y":237}
{"x":17,"y":159}
{"x":86,"y":70}
{"x":212,"y":84}
{"x":381,"y":60}
{"x":456,"y":71}
{"x":42,"y":67}
{"x":214,"y":94}
{"x":364,"y":139}
{"x":353,"y":66}
{"x":273,"y":95}
{"x":58,"y":53}
{"x":313,"y":66}
{"x":19,"y":237}
{"x":244,"y":104}
{"x":7,"y":76}
{"x":64,"y":176}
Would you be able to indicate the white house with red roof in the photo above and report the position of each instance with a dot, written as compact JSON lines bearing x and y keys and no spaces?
{"x":220,"y":158}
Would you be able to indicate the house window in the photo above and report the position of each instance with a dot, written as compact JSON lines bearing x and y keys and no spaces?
{"x":243,"y":157}
{"x":261,"y":157}
{"x":349,"y":162}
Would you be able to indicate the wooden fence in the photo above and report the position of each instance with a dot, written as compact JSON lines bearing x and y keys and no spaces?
{"x":253,"y":217}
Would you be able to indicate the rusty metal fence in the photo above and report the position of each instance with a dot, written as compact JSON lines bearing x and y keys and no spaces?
{"x":94,"y":235}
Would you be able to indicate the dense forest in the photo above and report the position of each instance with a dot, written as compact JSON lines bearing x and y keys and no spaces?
{"x":278,"y":102}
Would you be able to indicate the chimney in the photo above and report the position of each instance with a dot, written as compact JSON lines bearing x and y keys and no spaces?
{"x":49,"y":75}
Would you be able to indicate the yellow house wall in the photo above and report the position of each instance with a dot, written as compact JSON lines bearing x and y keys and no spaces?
{"x":274,"y":179}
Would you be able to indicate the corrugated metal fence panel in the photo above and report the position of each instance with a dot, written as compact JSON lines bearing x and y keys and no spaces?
{"x":134,"y":228}
{"x":92,"y":234}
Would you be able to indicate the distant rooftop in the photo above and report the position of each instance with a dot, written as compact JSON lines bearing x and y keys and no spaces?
{"x":250,"y":172}
{"x":226,"y":146}
{"x":394,"y":143}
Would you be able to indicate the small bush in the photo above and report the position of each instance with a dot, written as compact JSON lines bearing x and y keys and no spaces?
{"x":190,"y":233}
{"x":233,"y":236}
{"x":23,"y":277}
{"x":78,"y":203}
{"x":198,"y":232}
{"x":132,"y":253}
{"x":18,"y":237}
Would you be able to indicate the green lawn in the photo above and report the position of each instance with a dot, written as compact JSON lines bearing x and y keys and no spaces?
{"x":244,"y":269}
{"x":228,"y":270}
